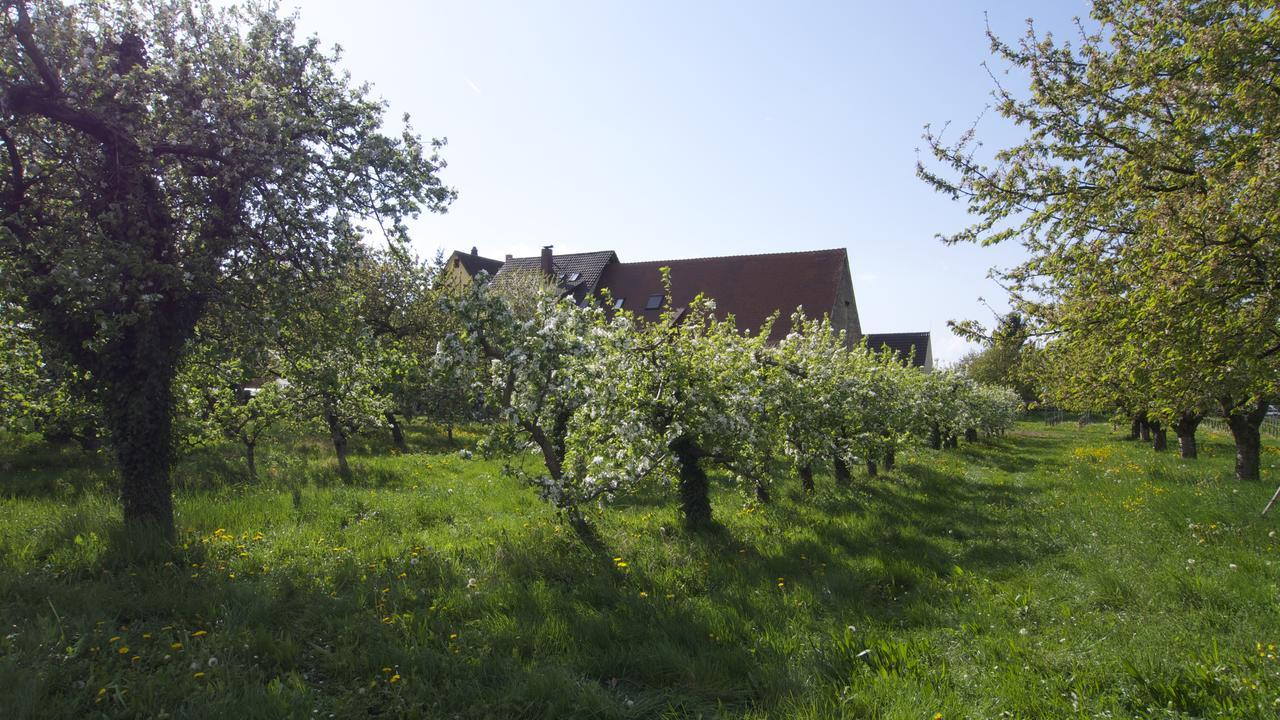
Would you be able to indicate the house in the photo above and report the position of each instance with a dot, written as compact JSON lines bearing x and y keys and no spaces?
{"x":911,"y":347}
{"x":461,"y":269}
{"x":750,"y":287}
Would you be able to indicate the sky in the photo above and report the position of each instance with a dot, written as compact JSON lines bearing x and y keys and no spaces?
{"x":688,"y":129}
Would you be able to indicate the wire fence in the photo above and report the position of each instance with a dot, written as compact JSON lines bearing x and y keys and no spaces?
{"x":1270,"y":426}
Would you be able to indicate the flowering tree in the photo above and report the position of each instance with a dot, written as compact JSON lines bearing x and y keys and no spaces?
{"x":685,"y":393}
{"x":156,"y":156}
{"x":1144,"y":194}
{"x":531,"y":352}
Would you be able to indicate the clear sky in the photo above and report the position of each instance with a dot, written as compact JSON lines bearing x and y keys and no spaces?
{"x":684,"y":129}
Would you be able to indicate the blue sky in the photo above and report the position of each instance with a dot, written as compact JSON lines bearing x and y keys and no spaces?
{"x":686,"y":129}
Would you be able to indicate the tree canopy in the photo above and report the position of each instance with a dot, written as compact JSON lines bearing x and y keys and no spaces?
{"x":158,"y":156}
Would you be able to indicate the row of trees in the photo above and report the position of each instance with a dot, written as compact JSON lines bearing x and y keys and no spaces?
{"x":351,"y":352}
{"x":1144,"y":194}
{"x":613,"y":403}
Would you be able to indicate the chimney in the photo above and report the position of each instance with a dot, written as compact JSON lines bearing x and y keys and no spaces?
{"x":474,"y":251}
{"x":508,"y":258}
{"x":548,"y":267}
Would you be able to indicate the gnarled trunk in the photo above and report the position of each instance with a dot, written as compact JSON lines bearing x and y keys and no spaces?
{"x":806,"y":477}
{"x":1185,"y":429}
{"x":1135,"y":428}
{"x":1159,"y":436}
{"x":695,"y":498}
{"x":843,"y":477}
{"x":935,"y":438}
{"x":762,"y":493}
{"x":1144,"y":426}
{"x":397,"y":434}
{"x":250,"y":459}
{"x":872,"y":470}
{"x":339,"y":436}
{"x":1246,"y":429}
{"x":889,"y":460}
{"x":971,"y":435}
{"x":139,"y":414}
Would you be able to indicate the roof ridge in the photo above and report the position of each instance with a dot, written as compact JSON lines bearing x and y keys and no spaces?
{"x":736,"y":257}
{"x":560,"y":255}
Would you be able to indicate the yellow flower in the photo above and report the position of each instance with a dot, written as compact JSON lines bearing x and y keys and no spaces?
{"x":644,"y":594}
{"x":124,"y":650}
{"x":395,"y":678}
{"x":199,"y":633}
{"x":176,"y":646}
{"x":198,"y":675}
{"x":937,"y":716}
{"x":115,"y":638}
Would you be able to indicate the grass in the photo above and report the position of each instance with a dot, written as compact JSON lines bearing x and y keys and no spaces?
{"x":1058,"y":572}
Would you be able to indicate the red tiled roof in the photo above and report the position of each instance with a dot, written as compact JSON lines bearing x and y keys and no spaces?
{"x":750,"y":287}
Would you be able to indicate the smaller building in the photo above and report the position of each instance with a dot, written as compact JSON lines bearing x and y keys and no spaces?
{"x":911,"y":347}
{"x":461,"y":269}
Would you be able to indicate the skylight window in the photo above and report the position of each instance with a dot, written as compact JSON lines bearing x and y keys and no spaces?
{"x":573,"y":277}
{"x":617,"y":304}
{"x":655,"y":302}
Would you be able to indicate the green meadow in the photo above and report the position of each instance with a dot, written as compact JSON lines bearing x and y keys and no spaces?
{"x":1056,"y":572}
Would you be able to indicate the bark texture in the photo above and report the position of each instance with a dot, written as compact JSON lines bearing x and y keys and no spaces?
{"x":1246,"y":429}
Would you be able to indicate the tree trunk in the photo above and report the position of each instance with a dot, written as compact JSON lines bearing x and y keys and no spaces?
{"x":695,"y":498}
{"x":843,"y":477}
{"x":397,"y":434}
{"x":762,"y":493}
{"x":449,"y":430}
{"x":339,"y":436}
{"x":1135,"y":428}
{"x":1159,"y":436}
{"x":1144,"y":427}
{"x":139,"y":414}
{"x":935,"y":438}
{"x":1185,"y":428}
{"x":971,"y":435}
{"x":889,"y":460}
{"x":872,"y":470}
{"x":250,"y":460}
{"x":1246,"y":428}
{"x":90,"y":441}
{"x":806,"y":477}
{"x":950,"y":442}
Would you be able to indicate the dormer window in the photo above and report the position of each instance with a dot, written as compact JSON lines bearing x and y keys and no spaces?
{"x":617,"y":304}
{"x":655,"y":302}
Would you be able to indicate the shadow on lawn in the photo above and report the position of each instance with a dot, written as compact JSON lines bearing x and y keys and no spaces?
{"x":553,"y":628}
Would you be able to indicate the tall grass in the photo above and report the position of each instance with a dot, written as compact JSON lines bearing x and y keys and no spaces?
{"x":1057,"y":572}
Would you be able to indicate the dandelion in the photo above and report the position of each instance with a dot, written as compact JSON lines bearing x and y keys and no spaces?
{"x":394,"y":678}
{"x":199,"y":633}
{"x":176,"y":646}
{"x":198,"y":675}
{"x":213,"y":661}
{"x":644,"y":594}
{"x":124,"y":650}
